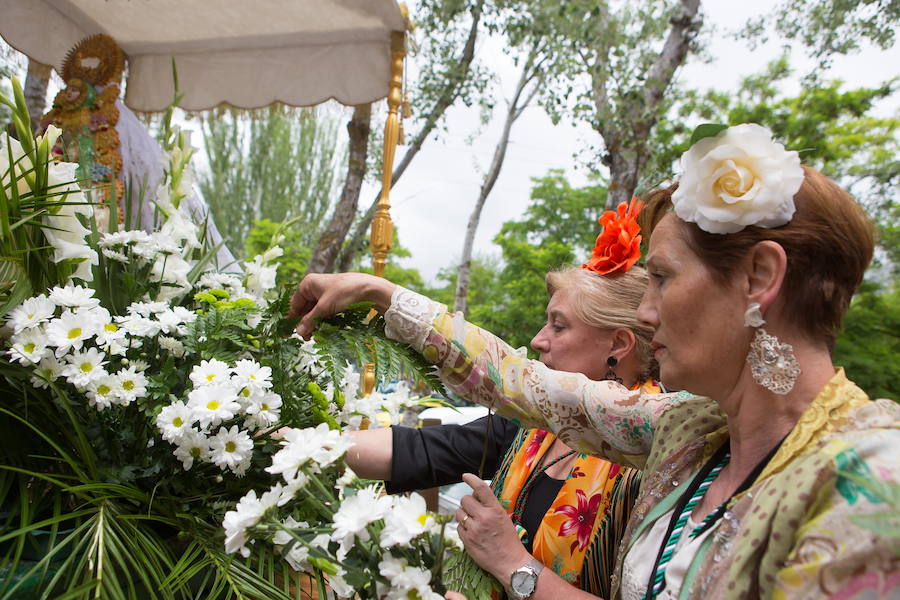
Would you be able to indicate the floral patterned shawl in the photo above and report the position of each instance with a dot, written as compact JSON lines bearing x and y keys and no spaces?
{"x":820,"y":520}
{"x":587,"y":498}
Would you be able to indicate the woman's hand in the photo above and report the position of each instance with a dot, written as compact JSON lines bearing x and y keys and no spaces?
{"x":325,"y":294}
{"x":488,"y":533}
{"x":454,"y":596}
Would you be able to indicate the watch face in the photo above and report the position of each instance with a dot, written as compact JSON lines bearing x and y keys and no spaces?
{"x":523,"y":582}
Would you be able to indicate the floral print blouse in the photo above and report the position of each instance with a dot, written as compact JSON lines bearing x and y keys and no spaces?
{"x":821,"y":520}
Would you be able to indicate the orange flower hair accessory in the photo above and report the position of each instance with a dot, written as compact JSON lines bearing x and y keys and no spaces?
{"x":619,"y":244}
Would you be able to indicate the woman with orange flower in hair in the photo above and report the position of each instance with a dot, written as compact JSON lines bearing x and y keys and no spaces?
{"x":567,"y":509}
{"x":771,"y":475}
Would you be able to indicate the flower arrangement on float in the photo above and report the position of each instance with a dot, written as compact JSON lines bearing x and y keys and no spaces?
{"x":159,"y":417}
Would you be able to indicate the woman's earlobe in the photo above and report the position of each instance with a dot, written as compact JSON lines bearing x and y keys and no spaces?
{"x":766,"y":272}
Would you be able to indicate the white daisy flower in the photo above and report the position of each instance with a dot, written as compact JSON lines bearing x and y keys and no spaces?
{"x":49,"y":370}
{"x":171,"y":345}
{"x":110,"y":337}
{"x":138,"y":326}
{"x":348,"y":478}
{"x":114,"y":255}
{"x":249,"y":373}
{"x":230,"y":447}
{"x":210,"y":372}
{"x":29,"y":347}
{"x":132,"y":383}
{"x":102,"y":392}
{"x":146,"y":309}
{"x":73,"y":297}
{"x":221,"y":281}
{"x":85,"y":366}
{"x":407,"y":519}
{"x":31,"y":312}
{"x":169,"y":321}
{"x":123,"y":238}
{"x":406,"y":581}
{"x":309,"y":359}
{"x":298,"y":553}
{"x":265,"y":409}
{"x":310,"y":448}
{"x":70,"y":331}
{"x":246,"y":514}
{"x":174,"y":420}
{"x":192,"y":445}
{"x":364,"y":507}
{"x":212,"y":404}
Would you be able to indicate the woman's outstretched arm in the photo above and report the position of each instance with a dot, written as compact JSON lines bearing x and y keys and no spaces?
{"x":596,"y":417}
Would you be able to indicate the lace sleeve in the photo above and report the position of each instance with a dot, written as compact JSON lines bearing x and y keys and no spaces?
{"x":595,"y":417}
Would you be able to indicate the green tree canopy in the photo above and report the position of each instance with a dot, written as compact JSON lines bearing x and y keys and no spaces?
{"x":276,"y":164}
{"x":558,"y":229}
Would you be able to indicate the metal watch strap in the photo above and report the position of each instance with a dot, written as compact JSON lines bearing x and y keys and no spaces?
{"x":533,"y":567}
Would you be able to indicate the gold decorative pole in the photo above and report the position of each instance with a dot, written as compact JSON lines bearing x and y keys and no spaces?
{"x":382,"y":228}
{"x":382,"y":236}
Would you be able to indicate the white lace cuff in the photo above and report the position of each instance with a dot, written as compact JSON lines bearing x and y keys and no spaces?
{"x":410,"y":317}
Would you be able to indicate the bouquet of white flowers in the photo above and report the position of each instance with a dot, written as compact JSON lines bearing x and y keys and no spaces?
{"x":148,"y":396}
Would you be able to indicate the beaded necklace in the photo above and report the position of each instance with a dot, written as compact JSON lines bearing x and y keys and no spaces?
{"x":688,"y":501}
{"x":522,"y":499}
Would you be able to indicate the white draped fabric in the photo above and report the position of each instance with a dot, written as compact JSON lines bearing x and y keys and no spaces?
{"x":247,"y":53}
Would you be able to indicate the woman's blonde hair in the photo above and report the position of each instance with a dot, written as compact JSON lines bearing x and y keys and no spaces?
{"x":609,"y":302}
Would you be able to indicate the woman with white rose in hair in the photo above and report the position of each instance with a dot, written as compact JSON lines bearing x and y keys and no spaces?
{"x":775,"y":475}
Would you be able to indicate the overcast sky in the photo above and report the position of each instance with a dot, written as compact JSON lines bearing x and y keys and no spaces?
{"x":434,"y":198}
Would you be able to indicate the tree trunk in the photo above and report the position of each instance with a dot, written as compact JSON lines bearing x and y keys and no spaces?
{"x":323,"y":258}
{"x":516,"y":106}
{"x":35,"y":91}
{"x":444,"y":101}
{"x":626,"y":139}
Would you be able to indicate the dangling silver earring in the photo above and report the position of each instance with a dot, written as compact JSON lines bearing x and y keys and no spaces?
{"x":772,"y":363}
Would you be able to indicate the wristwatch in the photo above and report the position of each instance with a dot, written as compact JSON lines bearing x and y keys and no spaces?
{"x":523,"y":580}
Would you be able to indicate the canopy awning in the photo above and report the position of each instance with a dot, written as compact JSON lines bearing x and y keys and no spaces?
{"x":247,"y":53}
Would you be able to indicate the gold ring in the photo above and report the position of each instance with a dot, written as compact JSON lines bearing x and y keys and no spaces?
{"x":463,"y":522}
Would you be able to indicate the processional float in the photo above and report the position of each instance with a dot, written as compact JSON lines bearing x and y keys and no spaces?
{"x":243,"y":54}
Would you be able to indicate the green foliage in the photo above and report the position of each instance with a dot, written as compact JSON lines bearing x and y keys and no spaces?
{"x":278,"y":164}
{"x":830,"y":27}
{"x":352,"y":337}
{"x":27,"y":194}
{"x":869,"y":345}
{"x":292,"y":265}
{"x":558,"y":229}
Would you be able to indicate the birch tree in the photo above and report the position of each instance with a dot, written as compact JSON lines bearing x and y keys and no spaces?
{"x":449,"y":32}
{"x":529,"y":84}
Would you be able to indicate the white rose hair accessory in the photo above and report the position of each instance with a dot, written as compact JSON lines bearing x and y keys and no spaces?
{"x":735,"y":178}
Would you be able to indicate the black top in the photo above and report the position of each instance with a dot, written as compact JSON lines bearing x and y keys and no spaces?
{"x":543,"y":492}
{"x":435,"y":456}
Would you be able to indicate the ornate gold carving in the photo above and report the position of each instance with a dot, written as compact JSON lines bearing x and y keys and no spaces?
{"x":96,"y":59}
{"x":382,"y":227}
{"x":85,"y":110}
